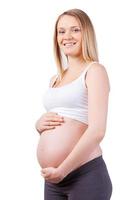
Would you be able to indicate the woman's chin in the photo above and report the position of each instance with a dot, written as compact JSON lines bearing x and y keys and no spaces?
{"x":71,"y":54}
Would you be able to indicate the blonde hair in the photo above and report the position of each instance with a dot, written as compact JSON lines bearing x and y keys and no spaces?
{"x":89,"y":44}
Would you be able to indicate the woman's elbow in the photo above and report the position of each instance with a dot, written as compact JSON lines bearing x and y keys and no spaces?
{"x":98,"y":132}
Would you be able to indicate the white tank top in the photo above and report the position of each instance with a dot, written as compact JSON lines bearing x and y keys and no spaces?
{"x":69,"y":100}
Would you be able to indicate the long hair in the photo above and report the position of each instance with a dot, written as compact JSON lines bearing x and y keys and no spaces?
{"x":89,"y":44}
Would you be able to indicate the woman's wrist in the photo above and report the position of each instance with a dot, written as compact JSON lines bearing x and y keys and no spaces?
{"x":64,"y":170}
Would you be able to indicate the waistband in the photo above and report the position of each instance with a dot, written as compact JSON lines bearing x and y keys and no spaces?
{"x":89,"y":166}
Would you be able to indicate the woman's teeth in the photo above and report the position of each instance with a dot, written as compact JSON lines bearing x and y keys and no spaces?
{"x":69,"y":44}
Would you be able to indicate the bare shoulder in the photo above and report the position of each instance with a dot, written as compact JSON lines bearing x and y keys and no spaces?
{"x":97,"y":74}
{"x":97,"y":68}
{"x":52,"y":80}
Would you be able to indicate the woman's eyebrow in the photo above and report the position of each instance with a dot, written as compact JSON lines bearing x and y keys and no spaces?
{"x":69,"y":27}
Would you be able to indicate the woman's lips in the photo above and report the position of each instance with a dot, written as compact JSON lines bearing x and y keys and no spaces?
{"x":70,"y":44}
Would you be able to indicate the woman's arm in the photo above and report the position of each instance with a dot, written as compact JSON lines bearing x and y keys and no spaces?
{"x":98,"y":91}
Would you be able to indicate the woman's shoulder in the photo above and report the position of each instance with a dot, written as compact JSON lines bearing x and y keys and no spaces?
{"x":98,"y":72}
{"x":97,"y":68}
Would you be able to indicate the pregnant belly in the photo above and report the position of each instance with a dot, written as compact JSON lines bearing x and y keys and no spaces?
{"x":55,"y":144}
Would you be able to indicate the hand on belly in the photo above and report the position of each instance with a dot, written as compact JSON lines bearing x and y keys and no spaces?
{"x":54,"y":145}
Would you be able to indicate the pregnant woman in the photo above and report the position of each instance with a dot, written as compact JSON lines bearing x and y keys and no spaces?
{"x":76,"y":101}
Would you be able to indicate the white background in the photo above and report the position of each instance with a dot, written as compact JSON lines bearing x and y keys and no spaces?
{"x":26,"y":65}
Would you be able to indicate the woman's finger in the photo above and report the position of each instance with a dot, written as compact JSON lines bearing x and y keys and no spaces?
{"x":48,"y":127}
{"x":51,"y":123}
{"x":54,"y":118}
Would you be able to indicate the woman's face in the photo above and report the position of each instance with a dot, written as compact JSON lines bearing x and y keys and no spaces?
{"x":69,"y":36}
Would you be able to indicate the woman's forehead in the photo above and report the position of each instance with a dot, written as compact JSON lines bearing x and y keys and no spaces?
{"x":67,"y":21}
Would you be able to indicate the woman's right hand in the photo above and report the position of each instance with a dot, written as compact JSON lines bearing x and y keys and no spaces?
{"x":48,"y":121}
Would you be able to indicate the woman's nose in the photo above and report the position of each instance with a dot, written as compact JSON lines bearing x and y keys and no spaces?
{"x":68,"y":35}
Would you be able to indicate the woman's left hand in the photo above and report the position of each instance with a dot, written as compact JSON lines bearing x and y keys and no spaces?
{"x":53,"y":175}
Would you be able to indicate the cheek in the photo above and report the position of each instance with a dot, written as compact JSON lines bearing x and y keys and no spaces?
{"x":79,"y":39}
{"x":80,"y":42}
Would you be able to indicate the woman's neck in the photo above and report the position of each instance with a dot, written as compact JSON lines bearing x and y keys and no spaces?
{"x":75,"y":63}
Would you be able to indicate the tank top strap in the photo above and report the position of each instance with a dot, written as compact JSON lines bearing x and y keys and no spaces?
{"x":87,"y":68}
{"x":83,"y":76}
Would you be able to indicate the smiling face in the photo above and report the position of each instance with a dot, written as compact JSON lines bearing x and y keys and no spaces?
{"x":69,"y":36}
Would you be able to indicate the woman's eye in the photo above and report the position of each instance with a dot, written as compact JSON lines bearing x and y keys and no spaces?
{"x":76,"y":30}
{"x":61,"y":32}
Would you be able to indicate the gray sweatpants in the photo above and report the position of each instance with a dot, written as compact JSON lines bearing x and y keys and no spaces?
{"x":91,"y":181}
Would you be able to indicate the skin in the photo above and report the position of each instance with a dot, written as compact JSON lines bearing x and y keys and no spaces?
{"x":67,"y":34}
{"x":48,"y":121}
{"x":97,"y":83}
